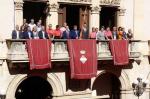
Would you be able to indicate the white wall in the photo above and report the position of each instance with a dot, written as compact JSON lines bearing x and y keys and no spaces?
{"x":6,"y":18}
{"x":146,"y":19}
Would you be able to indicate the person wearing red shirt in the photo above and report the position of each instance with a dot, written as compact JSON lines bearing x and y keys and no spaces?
{"x":50,"y":31}
{"x":57,"y":32}
{"x":108,"y":34}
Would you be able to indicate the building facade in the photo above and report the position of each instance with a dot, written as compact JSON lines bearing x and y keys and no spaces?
{"x":110,"y":83}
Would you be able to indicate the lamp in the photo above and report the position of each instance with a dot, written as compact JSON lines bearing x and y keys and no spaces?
{"x":139,"y":87}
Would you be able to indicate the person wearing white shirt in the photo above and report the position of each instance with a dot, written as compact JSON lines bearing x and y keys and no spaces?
{"x":32,"y":24}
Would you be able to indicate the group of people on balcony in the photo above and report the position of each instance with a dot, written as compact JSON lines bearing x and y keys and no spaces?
{"x":38,"y":31}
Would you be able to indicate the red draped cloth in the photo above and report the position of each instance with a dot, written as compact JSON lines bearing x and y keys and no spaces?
{"x":119,"y":50}
{"x":39,"y":53}
{"x":83,"y":58}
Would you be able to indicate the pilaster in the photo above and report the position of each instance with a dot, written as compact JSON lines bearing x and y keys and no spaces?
{"x":52,"y":17}
{"x":94,"y":17}
{"x":121,"y":17}
{"x":18,"y":12}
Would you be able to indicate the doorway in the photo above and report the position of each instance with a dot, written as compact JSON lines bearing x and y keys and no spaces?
{"x":108,"y":17}
{"x":34,"y":88}
{"x":107,"y":86}
{"x":73,"y":15}
{"x":35,"y":10}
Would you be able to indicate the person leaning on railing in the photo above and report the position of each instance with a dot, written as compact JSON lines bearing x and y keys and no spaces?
{"x":100,"y":35}
{"x":57,"y":32}
{"x":50,"y":31}
{"x":43,"y":34}
{"x":28,"y":34}
{"x":108,"y":34}
{"x":17,"y":33}
{"x":130,"y":34}
{"x":92,"y":35}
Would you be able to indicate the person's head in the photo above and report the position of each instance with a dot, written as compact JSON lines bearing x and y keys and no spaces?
{"x":50,"y":26}
{"x":123,"y":29}
{"x":65,"y":24}
{"x":75,"y":27}
{"x":38,"y":24}
{"x":114,"y":28}
{"x":32,"y":21}
{"x":24,"y":21}
{"x":57,"y":27}
{"x":43,"y":28}
{"x":102,"y":28}
{"x":40,"y":21}
{"x":108,"y":29}
{"x":34,"y":29}
{"x":129,"y":31}
{"x":17,"y":27}
{"x":93,"y":29}
{"x":67,"y":27}
{"x":96,"y":29}
{"x":119,"y":28}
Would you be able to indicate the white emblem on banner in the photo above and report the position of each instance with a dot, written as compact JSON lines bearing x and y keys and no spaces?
{"x":83,"y":59}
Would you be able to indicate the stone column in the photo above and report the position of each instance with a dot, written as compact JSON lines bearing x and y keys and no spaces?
{"x":18,"y":13}
{"x":121,"y":17}
{"x":52,"y":17}
{"x":95,"y":16}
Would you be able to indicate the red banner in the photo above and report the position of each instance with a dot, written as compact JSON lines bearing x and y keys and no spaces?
{"x":39,"y":53}
{"x":119,"y":49}
{"x":83,"y":58}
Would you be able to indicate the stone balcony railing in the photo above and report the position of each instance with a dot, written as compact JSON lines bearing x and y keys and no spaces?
{"x":76,"y":1}
{"x":17,"y":51}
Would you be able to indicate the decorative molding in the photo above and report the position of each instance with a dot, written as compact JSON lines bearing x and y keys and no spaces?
{"x":76,"y":1}
{"x":18,"y":5}
{"x":53,"y":7}
{"x":121,"y":11}
{"x":110,"y":2}
{"x":95,"y":9}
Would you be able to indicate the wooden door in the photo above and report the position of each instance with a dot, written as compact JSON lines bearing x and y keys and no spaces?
{"x":61,"y":15}
{"x":84,"y":16}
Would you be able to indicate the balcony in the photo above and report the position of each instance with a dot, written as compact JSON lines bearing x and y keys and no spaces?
{"x":17,"y":50}
{"x":76,"y":1}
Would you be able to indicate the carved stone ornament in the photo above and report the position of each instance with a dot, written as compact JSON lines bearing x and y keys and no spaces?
{"x":53,"y":7}
{"x":110,"y":2}
{"x":121,"y":12}
{"x":95,"y":9}
{"x":76,"y":1}
{"x":18,"y":5}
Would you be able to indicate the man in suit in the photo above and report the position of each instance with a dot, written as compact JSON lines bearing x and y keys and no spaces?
{"x":28,"y":34}
{"x":66,"y":33}
{"x":74,"y":34}
{"x":43,"y":34}
{"x":16,"y":34}
{"x":84,"y":32}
